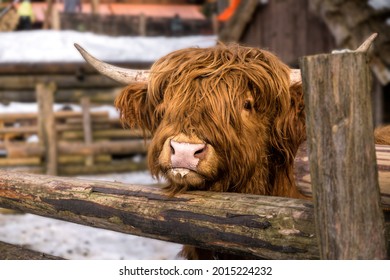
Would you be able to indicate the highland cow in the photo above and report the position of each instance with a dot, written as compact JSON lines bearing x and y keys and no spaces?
{"x":225,"y":118}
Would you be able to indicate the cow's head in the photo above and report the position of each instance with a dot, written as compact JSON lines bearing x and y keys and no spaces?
{"x":225,"y":118}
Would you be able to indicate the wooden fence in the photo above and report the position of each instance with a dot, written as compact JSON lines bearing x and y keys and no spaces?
{"x":73,"y":81}
{"x":69,"y":142}
{"x":343,"y":173}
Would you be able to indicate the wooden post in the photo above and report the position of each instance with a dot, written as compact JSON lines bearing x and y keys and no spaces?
{"x":349,"y":220}
{"x":46,"y":123}
{"x":142,"y":25}
{"x":87,"y":127}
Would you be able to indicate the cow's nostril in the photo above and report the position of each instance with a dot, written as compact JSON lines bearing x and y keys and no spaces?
{"x":200,"y":153}
{"x":187,"y":155}
{"x":172,"y":149}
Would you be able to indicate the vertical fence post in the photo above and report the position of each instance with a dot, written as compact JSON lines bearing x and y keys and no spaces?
{"x":349,"y":219}
{"x":87,"y":127}
{"x":46,"y":123}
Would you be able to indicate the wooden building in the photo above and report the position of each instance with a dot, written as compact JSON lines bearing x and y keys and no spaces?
{"x":295,"y":28}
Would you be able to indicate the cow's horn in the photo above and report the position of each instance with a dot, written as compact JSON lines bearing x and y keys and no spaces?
{"x":295,"y":76}
{"x":119,"y":74}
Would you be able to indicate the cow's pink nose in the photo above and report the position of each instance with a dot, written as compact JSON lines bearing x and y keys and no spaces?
{"x":187,"y":155}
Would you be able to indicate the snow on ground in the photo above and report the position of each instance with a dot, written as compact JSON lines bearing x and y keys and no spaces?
{"x":65,"y":239}
{"x":50,"y":46}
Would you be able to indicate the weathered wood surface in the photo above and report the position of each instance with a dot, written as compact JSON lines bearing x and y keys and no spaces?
{"x":20,"y":150}
{"x":78,"y":69}
{"x":15,"y":252}
{"x":63,"y":95}
{"x":303,"y":178}
{"x":255,"y":226}
{"x":62,"y":81}
{"x":267,"y":227}
{"x":87,"y":127}
{"x":10,"y":117}
{"x":46,"y":126}
{"x":349,"y":219}
{"x":65,"y":169}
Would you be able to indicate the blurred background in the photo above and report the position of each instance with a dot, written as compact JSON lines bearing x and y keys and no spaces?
{"x":39,"y":64}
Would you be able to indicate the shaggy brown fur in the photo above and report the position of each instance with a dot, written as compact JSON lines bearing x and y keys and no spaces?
{"x":236,"y":100}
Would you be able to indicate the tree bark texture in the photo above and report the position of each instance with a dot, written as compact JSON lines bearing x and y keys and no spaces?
{"x":260,"y":226}
{"x":344,"y":175}
{"x":256,"y":226}
{"x":15,"y":252}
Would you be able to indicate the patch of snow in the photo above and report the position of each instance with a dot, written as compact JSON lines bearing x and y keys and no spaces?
{"x":56,"y":46}
{"x":379,"y":4}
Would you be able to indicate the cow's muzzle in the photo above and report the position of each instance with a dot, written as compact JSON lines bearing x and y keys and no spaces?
{"x":186,"y":156}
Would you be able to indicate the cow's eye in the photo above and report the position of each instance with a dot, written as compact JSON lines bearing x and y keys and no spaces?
{"x":248,"y":105}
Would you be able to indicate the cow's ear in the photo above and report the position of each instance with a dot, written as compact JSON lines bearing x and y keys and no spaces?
{"x":131,"y":103}
{"x":289,"y":129}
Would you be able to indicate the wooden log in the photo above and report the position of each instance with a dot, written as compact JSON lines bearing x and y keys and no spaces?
{"x":104,"y":134}
{"x":46,"y":123}
{"x":256,"y":226}
{"x":301,"y":165}
{"x":68,"y":95}
{"x":19,"y":150}
{"x":117,"y":166}
{"x":30,"y":161}
{"x":80,"y":160}
{"x":250,"y":225}
{"x":62,"y":81}
{"x":15,"y":252}
{"x":72,"y":68}
{"x":31,"y":129}
{"x":342,"y":156}
{"x":12,"y":117}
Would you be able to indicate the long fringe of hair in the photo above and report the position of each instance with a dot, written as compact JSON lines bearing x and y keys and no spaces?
{"x":202,"y":92}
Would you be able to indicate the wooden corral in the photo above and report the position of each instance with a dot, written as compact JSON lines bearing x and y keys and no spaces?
{"x":295,"y":28}
{"x":69,"y":142}
{"x":73,"y":81}
{"x":286,"y":27}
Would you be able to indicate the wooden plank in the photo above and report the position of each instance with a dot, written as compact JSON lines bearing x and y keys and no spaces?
{"x":77,"y":69}
{"x":120,"y":147}
{"x":62,"y":81}
{"x":12,"y":117}
{"x":303,"y":178}
{"x":104,"y":134}
{"x":342,"y":156}
{"x":73,"y":95}
{"x":25,"y":161}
